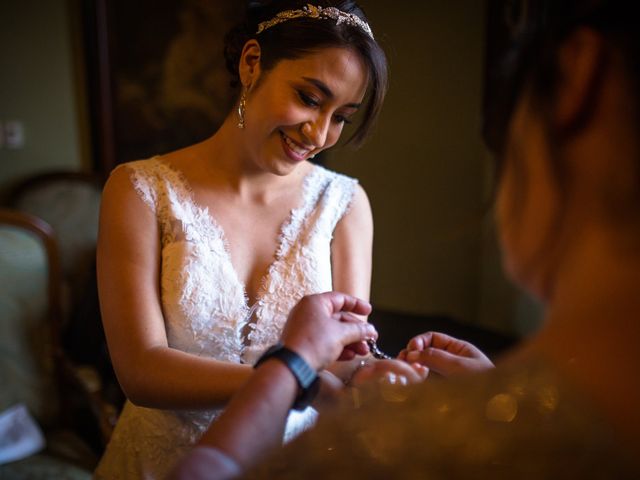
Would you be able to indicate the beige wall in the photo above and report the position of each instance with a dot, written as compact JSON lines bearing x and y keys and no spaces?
{"x":37,"y":87}
{"x":428,"y":175}
{"x":423,"y":168}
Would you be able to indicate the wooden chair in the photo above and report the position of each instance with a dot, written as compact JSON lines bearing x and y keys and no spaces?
{"x":69,"y":202}
{"x":28,"y":250}
{"x":35,"y":368}
{"x":32,"y":364}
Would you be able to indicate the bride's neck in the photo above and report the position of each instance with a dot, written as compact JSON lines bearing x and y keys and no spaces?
{"x":227,"y":159}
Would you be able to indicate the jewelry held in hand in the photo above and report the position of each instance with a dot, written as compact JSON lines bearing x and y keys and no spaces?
{"x":376,"y":352}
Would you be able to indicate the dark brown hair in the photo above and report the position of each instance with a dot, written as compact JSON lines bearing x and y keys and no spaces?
{"x":531,"y":65}
{"x":541,"y":26}
{"x":531,"y":59}
{"x":295,"y":38}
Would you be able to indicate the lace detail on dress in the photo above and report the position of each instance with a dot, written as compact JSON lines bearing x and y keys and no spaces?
{"x":205,"y":305}
{"x":302,"y":264}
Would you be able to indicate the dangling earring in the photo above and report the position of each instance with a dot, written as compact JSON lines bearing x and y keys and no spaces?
{"x":242,"y":107}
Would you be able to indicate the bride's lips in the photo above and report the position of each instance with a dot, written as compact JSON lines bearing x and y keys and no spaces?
{"x":293,"y":149}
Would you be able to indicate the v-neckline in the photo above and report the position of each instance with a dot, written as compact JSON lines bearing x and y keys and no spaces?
{"x":295,"y":215}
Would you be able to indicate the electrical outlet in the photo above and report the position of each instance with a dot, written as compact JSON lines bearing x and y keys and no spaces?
{"x":13,"y":134}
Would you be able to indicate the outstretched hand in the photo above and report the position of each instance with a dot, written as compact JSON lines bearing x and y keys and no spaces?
{"x":323,"y":328}
{"x":391,"y":371}
{"x":445,"y":355}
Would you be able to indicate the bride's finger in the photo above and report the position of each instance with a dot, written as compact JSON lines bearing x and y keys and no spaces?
{"x":419,"y":342}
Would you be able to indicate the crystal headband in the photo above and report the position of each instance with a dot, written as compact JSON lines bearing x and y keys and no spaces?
{"x":311,"y":11}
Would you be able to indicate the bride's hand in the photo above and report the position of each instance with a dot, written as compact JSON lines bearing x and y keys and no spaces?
{"x":389,"y":371}
{"x":445,"y":355}
{"x":331,"y":388}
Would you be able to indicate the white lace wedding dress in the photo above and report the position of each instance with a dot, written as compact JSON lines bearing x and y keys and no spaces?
{"x":205,"y":303}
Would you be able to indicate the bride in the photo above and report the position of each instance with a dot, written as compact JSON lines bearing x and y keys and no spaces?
{"x":202,"y":252}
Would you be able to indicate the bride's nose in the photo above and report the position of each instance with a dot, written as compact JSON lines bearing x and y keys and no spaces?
{"x":316,"y":131}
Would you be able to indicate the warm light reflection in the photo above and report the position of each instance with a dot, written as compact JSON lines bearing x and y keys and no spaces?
{"x":548,"y":398}
{"x":502,"y":408}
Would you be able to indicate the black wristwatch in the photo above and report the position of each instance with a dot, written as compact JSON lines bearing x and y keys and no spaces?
{"x":307,"y":377}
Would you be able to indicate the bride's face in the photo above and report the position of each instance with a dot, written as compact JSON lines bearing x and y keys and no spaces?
{"x":300,"y":107}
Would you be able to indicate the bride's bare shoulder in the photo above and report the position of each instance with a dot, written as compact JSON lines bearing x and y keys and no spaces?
{"x":184,"y":158}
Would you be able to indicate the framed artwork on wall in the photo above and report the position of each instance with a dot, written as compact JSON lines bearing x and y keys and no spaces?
{"x":156,"y":74}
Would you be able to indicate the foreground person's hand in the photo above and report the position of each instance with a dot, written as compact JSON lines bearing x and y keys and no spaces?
{"x":445,"y":355}
{"x":324,"y":327}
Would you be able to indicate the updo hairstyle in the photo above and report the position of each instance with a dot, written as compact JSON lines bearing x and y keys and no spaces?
{"x":296,"y":38}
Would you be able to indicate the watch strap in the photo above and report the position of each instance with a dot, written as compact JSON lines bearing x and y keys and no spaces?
{"x":306,"y":377}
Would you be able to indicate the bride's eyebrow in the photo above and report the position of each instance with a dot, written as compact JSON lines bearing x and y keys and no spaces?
{"x":320,"y":85}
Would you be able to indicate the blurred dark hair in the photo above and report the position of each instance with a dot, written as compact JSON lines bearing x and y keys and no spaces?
{"x":295,"y":38}
{"x":538,"y":28}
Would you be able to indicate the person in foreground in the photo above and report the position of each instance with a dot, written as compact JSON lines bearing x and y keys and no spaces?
{"x":203,"y":252}
{"x":564,"y":404}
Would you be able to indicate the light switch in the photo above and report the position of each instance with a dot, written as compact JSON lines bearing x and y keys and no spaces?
{"x":13,"y":134}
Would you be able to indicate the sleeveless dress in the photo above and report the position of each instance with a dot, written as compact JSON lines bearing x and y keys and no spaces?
{"x":205,"y":304}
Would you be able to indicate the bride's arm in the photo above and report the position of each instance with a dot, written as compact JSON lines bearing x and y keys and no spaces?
{"x":352,"y":247}
{"x":351,"y":252}
{"x":128,"y":259}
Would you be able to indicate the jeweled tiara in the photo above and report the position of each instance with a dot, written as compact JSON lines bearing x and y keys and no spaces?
{"x":320,"y":13}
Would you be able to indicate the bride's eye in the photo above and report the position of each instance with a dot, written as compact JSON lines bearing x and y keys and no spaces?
{"x":307,"y":99}
{"x":341,"y":119}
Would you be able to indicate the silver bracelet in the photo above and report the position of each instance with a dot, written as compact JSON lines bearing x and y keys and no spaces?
{"x":376,"y":352}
